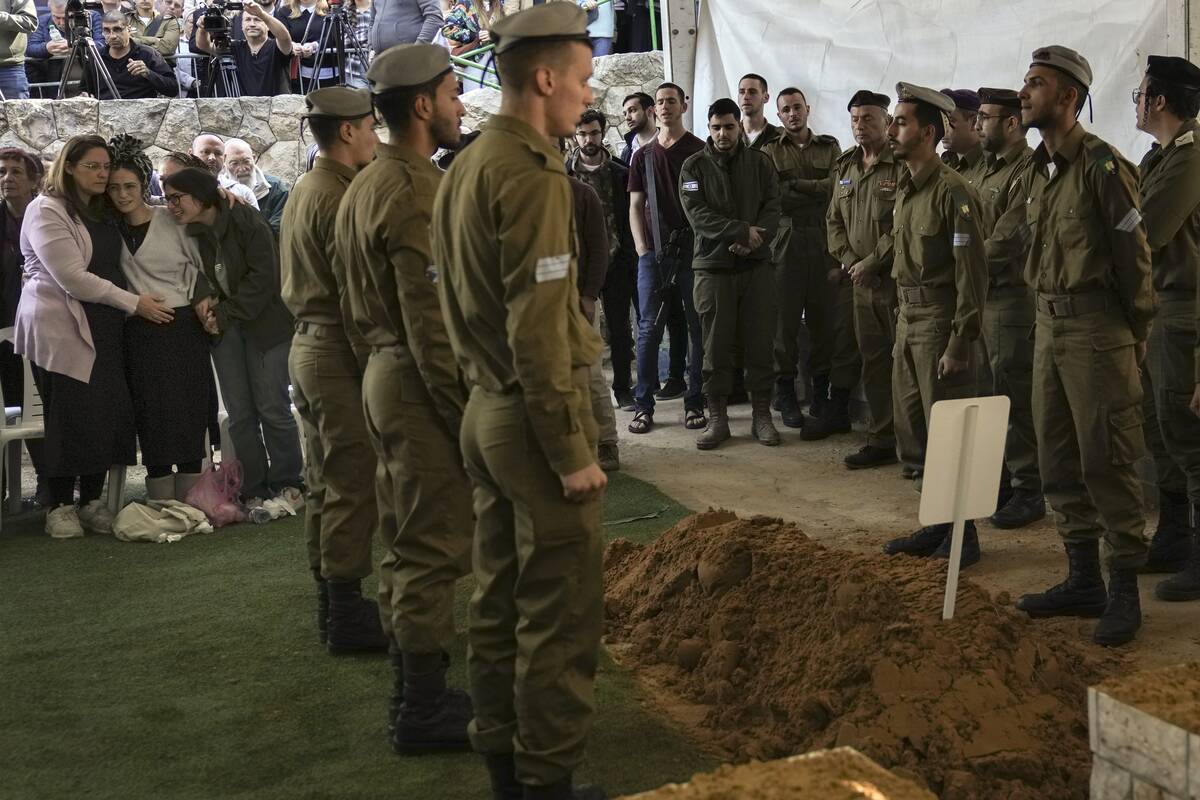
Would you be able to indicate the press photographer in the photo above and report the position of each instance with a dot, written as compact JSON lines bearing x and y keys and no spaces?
{"x":137,"y":71}
{"x":50,"y":43}
{"x":260,"y":62}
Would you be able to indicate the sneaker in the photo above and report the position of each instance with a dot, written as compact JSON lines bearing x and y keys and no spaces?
{"x":673,"y":389}
{"x":96,"y":517}
{"x":292,"y":496}
{"x":63,"y":523}
{"x":252,"y":502}
{"x":608,"y":458}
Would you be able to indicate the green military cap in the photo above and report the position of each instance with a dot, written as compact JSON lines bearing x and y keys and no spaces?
{"x":338,"y":102}
{"x":1174,"y":70}
{"x":545,"y":22}
{"x":1066,"y":61}
{"x":865,"y":97}
{"x":911,"y":93}
{"x":407,"y":65}
{"x":999,"y":97}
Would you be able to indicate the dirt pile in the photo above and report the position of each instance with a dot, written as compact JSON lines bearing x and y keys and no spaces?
{"x":791,"y":647}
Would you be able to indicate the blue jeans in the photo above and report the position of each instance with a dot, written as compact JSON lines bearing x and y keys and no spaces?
{"x":601,"y":46}
{"x":650,"y":336}
{"x":13,"y":83}
{"x":254,"y":386}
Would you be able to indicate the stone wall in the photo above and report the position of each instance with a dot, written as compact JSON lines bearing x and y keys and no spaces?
{"x":270,"y":124}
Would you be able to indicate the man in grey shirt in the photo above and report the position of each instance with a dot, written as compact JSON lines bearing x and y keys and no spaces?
{"x":404,"y":22}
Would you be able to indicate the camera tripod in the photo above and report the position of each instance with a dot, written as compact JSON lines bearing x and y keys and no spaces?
{"x":222,"y":74}
{"x":342,"y":32}
{"x":84,"y":51}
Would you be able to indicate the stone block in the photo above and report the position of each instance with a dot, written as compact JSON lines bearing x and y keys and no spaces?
{"x":179,"y":126}
{"x":628,"y":69}
{"x":1194,"y":767}
{"x":1110,"y":782}
{"x":1148,"y":791}
{"x":256,"y":125}
{"x":140,"y":118}
{"x":286,"y":110}
{"x":220,"y":115}
{"x":1144,"y":745}
{"x":283,"y":160}
{"x":1093,"y":719}
{"x":156,"y":154}
{"x":480,"y":104}
{"x":75,"y":117}
{"x":32,"y":121}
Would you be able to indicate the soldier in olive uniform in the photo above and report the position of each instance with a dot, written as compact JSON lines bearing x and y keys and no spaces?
{"x":962,"y":150}
{"x":1009,"y":314}
{"x":941,"y":279}
{"x":1167,"y":103}
{"x":504,"y":240}
{"x":325,"y":366}
{"x":730,"y":195}
{"x":1090,"y":267}
{"x":752,"y":98}
{"x":805,"y":162}
{"x":412,"y":395}
{"x":859,"y":225}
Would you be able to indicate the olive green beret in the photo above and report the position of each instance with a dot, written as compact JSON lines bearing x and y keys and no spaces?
{"x":407,"y":65}
{"x":999,"y":97}
{"x":1065,"y":60}
{"x":911,"y":93}
{"x":546,"y":22}
{"x":338,"y":102}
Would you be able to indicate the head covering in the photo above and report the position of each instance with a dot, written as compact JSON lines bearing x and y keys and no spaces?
{"x":1174,"y":70}
{"x":1066,"y":61}
{"x":128,"y":152}
{"x":545,"y":22}
{"x":338,"y":102}
{"x":964,"y":99}
{"x":999,"y":97}
{"x":865,"y":97}
{"x":911,"y":93}
{"x":407,"y":65}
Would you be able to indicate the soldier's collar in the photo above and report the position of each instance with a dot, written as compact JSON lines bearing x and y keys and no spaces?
{"x":524,"y":131}
{"x":886,"y":155}
{"x":400,"y":152}
{"x":974,"y":156}
{"x":1068,"y":149}
{"x":1186,"y":133}
{"x":1014,"y":152}
{"x":921,"y":177}
{"x":336,"y":167}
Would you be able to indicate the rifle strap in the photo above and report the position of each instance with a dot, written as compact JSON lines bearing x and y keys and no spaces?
{"x":652,"y":198}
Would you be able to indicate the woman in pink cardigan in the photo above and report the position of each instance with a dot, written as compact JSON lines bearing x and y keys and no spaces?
{"x":70,"y":324}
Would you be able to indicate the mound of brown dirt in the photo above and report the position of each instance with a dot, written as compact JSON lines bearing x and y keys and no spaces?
{"x":792,"y":647}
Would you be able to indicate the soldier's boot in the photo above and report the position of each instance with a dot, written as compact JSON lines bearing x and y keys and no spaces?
{"x":354,"y":625}
{"x":921,"y":543}
{"x":160,"y":488}
{"x":970,"y":546}
{"x":322,"y":607}
{"x":1023,"y":508}
{"x":1123,"y":613}
{"x":761,"y":426}
{"x":819,"y":397}
{"x":1171,"y":542}
{"x":396,"y":698}
{"x":717,"y":429}
{"x":869,"y":456}
{"x":787,"y":405}
{"x":1186,"y":585}
{"x":1082,"y":594}
{"x":564,"y":790}
{"x":184,"y":481}
{"x":835,"y":417}
{"x":433,"y":718}
{"x":503,"y":774}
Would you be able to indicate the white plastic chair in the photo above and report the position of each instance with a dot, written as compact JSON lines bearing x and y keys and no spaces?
{"x":20,"y":423}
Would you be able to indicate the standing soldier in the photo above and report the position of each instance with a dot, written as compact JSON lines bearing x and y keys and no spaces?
{"x":1090,"y":267}
{"x":962,"y":150}
{"x":1008,"y":314}
{"x":941,"y":279}
{"x":753,"y":97}
{"x":411,"y":390}
{"x":326,"y":370}
{"x":859,"y":228}
{"x":504,"y":239}
{"x":1167,"y":103}
{"x":731,"y":198}
{"x":805,"y":163}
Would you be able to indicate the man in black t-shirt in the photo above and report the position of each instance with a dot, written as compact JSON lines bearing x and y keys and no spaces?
{"x":261,"y":61}
{"x":137,"y":71}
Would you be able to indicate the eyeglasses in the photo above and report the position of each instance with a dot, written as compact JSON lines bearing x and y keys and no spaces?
{"x":96,"y":166}
{"x":1137,"y":96}
{"x":985,"y":117}
{"x":174,"y":199}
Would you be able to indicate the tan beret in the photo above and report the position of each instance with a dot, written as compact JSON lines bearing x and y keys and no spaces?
{"x":545,"y":22}
{"x":338,"y":102}
{"x":911,"y":93}
{"x":407,"y":65}
{"x":1065,"y":60}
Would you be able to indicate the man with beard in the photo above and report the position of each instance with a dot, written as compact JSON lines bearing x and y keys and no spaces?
{"x":638,"y":109}
{"x":961,"y":148}
{"x":242,"y":166}
{"x":411,"y":390}
{"x":210,"y":149}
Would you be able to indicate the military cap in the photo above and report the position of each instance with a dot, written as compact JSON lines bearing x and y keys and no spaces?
{"x":338,"y":102}
{"x":1174,"y":70}
{"x":911,"y":93}
{"x":542,"y":23}
{"x":999,"y":97}
{"x":407,"y":65}
{"x":865,"y":97}
{"x":965,"y":99}
{"x":1066,"y":61}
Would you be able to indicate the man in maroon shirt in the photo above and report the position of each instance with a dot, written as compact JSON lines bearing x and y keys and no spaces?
{"x":664,"y":246}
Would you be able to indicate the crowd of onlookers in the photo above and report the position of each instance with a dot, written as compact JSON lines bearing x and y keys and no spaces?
{"x":191,"y":48}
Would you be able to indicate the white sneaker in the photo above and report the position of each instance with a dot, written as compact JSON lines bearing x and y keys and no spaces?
{"x":96,"y":517}
{"x":293,"y":497}
{"x":63,"y":523}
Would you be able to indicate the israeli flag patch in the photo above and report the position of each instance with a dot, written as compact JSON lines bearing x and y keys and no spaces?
{"x":553,"y":268}
{"x":691,"y":186}
{"x":962,"y":239}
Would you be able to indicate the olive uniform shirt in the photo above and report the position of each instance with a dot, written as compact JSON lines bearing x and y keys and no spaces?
{"x":1170,"y":189}
{"x":938,"y":243}
{"x":1087,"y":234}
{"x":859,"y":221}
{"x":971,"y":166}
{"x":382,"y":237}
{"x":998,"y":192}
{"x":766,"y":136}
{"x":805,"y":175}
{"x":504,"y":238}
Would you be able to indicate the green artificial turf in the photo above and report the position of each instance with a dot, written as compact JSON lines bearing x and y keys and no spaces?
{"x":192,"y":670}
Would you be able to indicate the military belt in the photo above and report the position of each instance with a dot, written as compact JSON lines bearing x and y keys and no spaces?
{"x":925,"y":295}
{"x":315,"y":328}
{"x":1073,"y":305}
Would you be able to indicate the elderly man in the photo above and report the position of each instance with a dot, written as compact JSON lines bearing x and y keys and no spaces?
{"x":210,"y":148}
{"x":137,"y":71}
{"x":241,"y":166}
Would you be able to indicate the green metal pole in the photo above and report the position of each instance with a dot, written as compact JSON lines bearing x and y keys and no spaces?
{"x":462,"y":62}
{"x":476,"y":79}
{"x":653,"y":26}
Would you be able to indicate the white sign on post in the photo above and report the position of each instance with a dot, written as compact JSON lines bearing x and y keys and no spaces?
{"x":962,"y":470}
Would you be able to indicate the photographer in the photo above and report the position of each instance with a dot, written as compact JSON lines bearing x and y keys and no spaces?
{"x":160,"y":32}
{"x":137,"y":71}
{"x":261,"y":64}
{"x":50,"y":43}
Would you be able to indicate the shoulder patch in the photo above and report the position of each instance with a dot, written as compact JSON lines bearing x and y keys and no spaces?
{"x":1101,"y":153}
{"x":846,"y":154}
{"x":962,"y":200}
{"x":1187,"y":138}
{"x":825,"y":138}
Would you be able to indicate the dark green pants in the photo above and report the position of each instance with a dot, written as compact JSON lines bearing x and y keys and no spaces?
{"x":1172,"y":430}
{"x":1087,"y":410}
{"x":737,"y":308}
{"x":536,"y":616}
{"x":1008,"y":319}
{"x":875,"y":332}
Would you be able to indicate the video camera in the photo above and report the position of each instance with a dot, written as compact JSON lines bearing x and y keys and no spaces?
{"x":77,"y":16}
{"x":217,"y":25}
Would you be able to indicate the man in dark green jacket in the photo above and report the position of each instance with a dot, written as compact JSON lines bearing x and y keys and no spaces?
{"x":730,"y":196}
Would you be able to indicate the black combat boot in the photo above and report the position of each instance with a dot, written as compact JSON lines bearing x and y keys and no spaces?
{"x":1080,"y":595}
{"x":1186,"y":585}
{"x":322,"y":607}
{"x":922,"y":543}
{"x":869,"y":456}
{"x":396,"y":699}
{"x":503,"y":774}
{"x":1023,"y":508}
{"x":1171,"y":542}
{"x":835,"y":417}
{"x":970,"y":546}
{"x":819,"y":397}
{"x":1123,"y":614}
{"x":563,"y":790}
{"x":354,"y":625}
{"x":787,"y":405}
{"x":433,"y":718}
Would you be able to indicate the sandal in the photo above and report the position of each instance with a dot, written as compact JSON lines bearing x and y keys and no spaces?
{"x":694,"y":419}
{"x":642,"y":422}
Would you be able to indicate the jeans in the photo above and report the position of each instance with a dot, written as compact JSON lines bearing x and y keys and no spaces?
{"x":254,"y":386}
{"x":601,"y":46}
{"x":650,"y":335}
{"x":13,"y":83}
